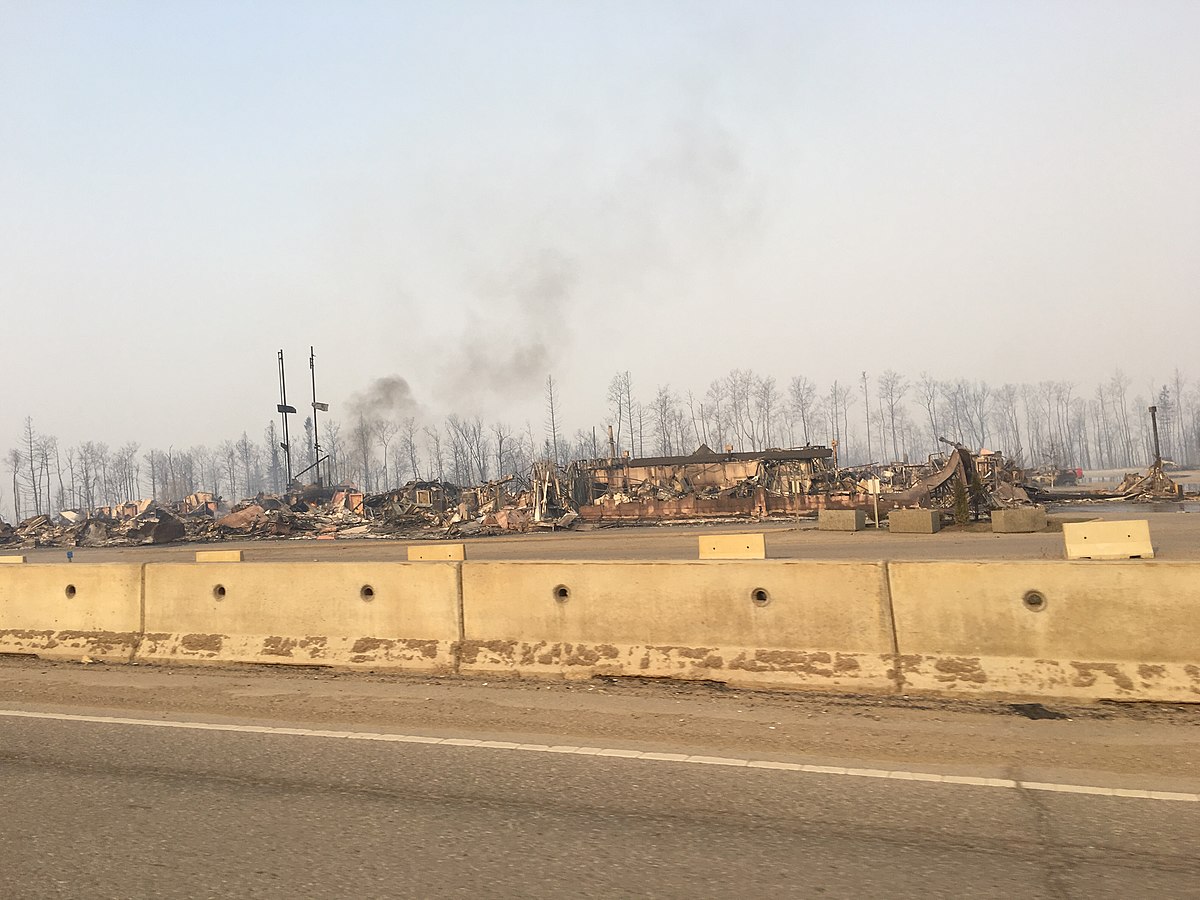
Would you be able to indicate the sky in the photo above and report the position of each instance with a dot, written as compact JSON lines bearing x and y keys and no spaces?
{"x":471,"y":196}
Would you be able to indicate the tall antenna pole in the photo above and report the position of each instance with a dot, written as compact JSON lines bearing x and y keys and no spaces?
{"x":1154,"y":428}
{"x":284,"y":409}
{"x":312,"y":368}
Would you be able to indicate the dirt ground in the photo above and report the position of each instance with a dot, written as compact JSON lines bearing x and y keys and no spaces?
{"x":1174,"y":529}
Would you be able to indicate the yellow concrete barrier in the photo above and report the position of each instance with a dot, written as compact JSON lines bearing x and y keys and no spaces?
{"x":218,"y":556}
{"x":1067,"y":629}
{"x":69,"y":611}
{"x":773,"y":623}
{"x":427,"y":552}
{"x":1108,"y":540}
{"x":377,"y":615}
{"x":11,"y":560}
{"x":733,"y":546}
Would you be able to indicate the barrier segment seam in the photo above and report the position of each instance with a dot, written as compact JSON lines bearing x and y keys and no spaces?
{"x":890,"y":612}
{"x":622,"y":753}
{"x":141,"y":633}
{"x":460,"y":612}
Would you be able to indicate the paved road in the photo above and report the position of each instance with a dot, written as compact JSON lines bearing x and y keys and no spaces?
{"x":113,"y":809}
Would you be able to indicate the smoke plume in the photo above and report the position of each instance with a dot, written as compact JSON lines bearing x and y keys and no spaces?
{"x":511,"y":347}
{"x":389,"y":397}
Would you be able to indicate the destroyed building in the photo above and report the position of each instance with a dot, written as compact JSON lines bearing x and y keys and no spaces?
{"x":708,"y":484}
{"x":704,"y":485}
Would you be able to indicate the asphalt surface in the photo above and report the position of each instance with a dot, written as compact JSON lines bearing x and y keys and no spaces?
{"x":107,"y":809}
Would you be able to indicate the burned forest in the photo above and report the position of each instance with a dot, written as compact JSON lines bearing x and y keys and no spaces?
{"x":745,"y":448}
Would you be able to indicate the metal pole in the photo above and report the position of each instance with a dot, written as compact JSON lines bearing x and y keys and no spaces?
{"x":1154,"y":428}
{"x":312,"y":367}
{"x":287,"y":443}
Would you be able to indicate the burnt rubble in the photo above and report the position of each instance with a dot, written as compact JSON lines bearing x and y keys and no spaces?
{"x":702,"y":486}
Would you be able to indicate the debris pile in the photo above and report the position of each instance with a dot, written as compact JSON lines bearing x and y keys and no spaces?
{"x":704,"y":485}
{"x":70,"y":528}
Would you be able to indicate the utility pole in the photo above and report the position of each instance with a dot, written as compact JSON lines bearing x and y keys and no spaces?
{"x":867,"y":415}
{"x":284,"y":409}
{"x":312,"y":368}
{"x":1154,"y":428}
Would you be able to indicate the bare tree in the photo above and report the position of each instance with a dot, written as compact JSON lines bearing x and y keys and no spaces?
{"x":1007,"y":401}
{"x":31,"y":439}
{"x":361,"y":438}
{"x":408,"y":439}
{"x":333,"y":450}
{"x":892,"y":388}
{"x":714,"y":413}
{"x":766,"y":404}
{"x":620,"y":406}
{"x":802,"y":396}
{"x":274,"y":465}
{"x":385,"y":432}
{"x":929,"y":391}
{"x":664,"y":411}
{"x":15,"y":463}
{"x":867,"y":415}
{"x":435,"y":454}
{"x":552,"y":420}
{"x":502,"y":435}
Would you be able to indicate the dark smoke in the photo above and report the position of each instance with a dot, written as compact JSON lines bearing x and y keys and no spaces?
{"x":386,"y":398}
{"x":511,"y":347}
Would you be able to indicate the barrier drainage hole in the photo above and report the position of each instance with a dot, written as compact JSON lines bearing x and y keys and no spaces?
{"x":70,"y":592}
{"x":1034,"y":600}
{"x":760,"y":597}
{"x":219,"y":592}
{"x":562,"y":593}
{"x":367,"y":593}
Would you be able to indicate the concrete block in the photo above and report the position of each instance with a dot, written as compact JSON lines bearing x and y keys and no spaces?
{"x":1108,"y":540}
{"x":779,"y":623}
{"x":378,"y":615}
{"x":218,"y":556}
{"x":1060,"y":629}
{"x":11,"y":560}
{"x":914,"y":521}
{"x":426,"y":552}
{"x":71,"y":610}
{"x":733,"y":546}
{"x":1019,"y":520}
{"x":841,"y":520}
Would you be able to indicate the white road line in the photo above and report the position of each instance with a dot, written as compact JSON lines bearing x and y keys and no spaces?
{"x":618,"y":753}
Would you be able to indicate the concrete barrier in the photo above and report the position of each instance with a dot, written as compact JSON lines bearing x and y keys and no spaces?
{"x":376,"y":615}
{"x":218,"y":556}
{"x":771,"y":623}
{"x":445,"y":552}
{"x":1122,"y":630}
{"x":733,"y":546}
{"x":1117,"y":631}
{"x":914,"y":521}
{"x":11,"y":560}
{"x":71,"y":611}
{"x":841,"y":520}
{"x":1108,"y":540}
{"x":1019,"y":520}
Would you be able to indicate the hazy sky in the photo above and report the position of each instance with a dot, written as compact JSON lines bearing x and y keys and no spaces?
{"x":472,"y":195}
